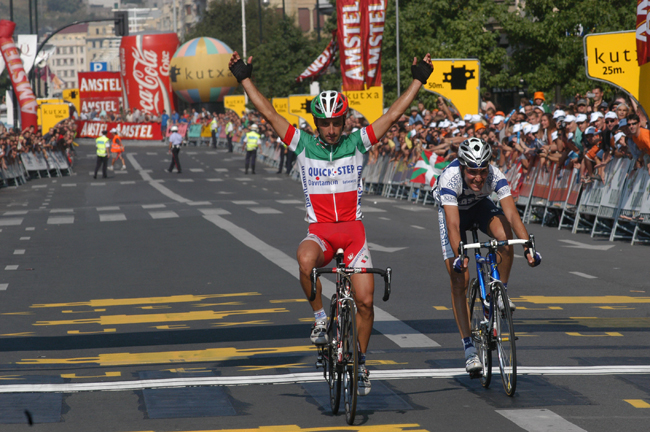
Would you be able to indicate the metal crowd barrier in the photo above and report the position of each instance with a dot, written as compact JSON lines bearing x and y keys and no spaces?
{"x":35,"y":165}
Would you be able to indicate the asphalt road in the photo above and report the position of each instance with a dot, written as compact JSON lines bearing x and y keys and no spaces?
{"x":151,"y":301}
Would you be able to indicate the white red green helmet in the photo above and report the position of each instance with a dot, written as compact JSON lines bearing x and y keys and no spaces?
{"x":474,"y":153}
{"x":329,"y":104}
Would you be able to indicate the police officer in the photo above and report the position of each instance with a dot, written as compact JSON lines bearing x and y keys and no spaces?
{"x":230,"y":130}
{"x":103,"y":146}
{"x":214,"y":129}
{"x":175,"y":141}
{"x":252,"y":140}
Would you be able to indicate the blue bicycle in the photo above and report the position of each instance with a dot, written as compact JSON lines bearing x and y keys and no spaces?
{"x":489,"y":311}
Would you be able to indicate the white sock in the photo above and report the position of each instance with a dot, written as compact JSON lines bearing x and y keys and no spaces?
{"x":320,"y":315}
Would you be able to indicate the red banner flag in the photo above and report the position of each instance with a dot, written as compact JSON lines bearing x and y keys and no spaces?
{"x":320,"y":65}
{"x":349,"y":14}
{"x":22,"y":88}
{"x":373,"y":28}
{"x":127,"y":131}
{"x":642,"y":31}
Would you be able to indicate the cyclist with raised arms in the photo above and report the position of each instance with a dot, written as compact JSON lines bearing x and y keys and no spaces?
{"x":462,"y":192}
{"x":330,"y":167}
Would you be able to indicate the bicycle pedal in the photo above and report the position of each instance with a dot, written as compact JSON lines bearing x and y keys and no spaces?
{"x":319,"y":364}
{"x":477,"y":374}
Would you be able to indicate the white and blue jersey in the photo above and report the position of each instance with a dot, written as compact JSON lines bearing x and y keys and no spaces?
{"x":473,"y":207}
{"x":451,"y":188}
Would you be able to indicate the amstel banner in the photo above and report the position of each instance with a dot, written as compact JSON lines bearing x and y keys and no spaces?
{"x":127,"y":131}
{"x":360,"y":34}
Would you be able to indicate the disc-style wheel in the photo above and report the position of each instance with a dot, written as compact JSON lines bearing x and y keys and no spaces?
{"x":333,"y":371}
{"x":479,"y":336}
{"x":351,"y":359}
{"x":505,"y":339}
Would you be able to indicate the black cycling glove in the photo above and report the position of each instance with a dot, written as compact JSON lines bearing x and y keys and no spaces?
{"x":421,"y":71}
{"x":241,"y":70}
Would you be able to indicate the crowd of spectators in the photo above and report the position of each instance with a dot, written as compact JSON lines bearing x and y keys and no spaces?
{"x":13,"y":142}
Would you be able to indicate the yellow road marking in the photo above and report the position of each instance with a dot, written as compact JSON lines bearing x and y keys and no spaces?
{"x":524,"y":334}
{"x":108,"y":330}
{"x":614,"y":307}
{"x":441,"y":308}
{"x":143,"y":300}
{"x":171,"y":327}
{"x":309,"y":320}
{"x":299,"y":300}
{"x":153,"y":307}
{"x":187,"y":370}
{"x":580,"y":299}
{"x":106,"y":375}
{"x":83,"y":311}
{"x":219,"y":304}
{"x":539,"y":309}
{"x":18,"y":313}
{"x":153,"y":318}
{"x":232,"y":324}
{"x":208,"y":355}
{"x":594,"y":335}
{"x":295,"y":428}
{"x":637,"y":403}
{"x":384,"y":362}
{"x":11,"y":377}
{"x":261,"y":368}
{"x":19,"y":334}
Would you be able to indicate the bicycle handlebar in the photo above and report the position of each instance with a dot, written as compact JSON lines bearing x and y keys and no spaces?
{"x":493,"y":243}
{"x":386,"y":274}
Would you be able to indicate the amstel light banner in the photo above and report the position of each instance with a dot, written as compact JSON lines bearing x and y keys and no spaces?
{"x":127,"y":131}
{"x":360,"y":26}
{"x":459,"y":81}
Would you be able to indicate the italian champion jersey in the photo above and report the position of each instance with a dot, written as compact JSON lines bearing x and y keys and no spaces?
{"x":451,"y":188}
{"x":331,"y":174}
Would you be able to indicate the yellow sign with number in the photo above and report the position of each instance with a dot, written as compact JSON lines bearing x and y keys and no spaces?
{"x":281,"y":105}
{"x":459,"y":81}
{"x":299,"y":106}
{"x":51,"y":114}
{"x":369,"y":103}
{"x":237,"y":103}
{"x":611,"y":57}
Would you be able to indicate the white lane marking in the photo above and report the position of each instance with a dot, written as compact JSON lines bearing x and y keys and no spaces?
{"x":121,"y":172}
{"x":68,"y":184}
{"x":127,"y":182}
{"x":272,"y":178}
{"x":395,"y":330}
{"x":221,"y":169}
{"x":110,"y":208}
{"x":11,"y":222}
{"x":289,"y":201}
{"x":243,"y":179}
{"x":15,"y":213}
{"x":366,"y":209}
{"x":518,"y":256}
{"x":584,"y":275}
{"x":214,"y":179}
{"x":30,"y":229}
{"x":412,"y":208}
{"x":153,"y":206}
{"x":378,"y":248}
{"x":199,"y":203}
{"x":151,"y":153}
{"x":19,"y":252}
{"x":186,"y":180}
{"x":39,"y":186}
{"x":577,"y":245}
{"x":162,"y":189}
{"x":11,"y":267}
{"x":112,"y":217}
{"x":191,"y":153}
{"x":539,"y":420}
{"x":214,"y":211}
{"x":417,"y":227}
{"x":3,"y":287}
{"x":163,"y":215}
{"x":98,"y":184}
{"x":58,"y":220}
{"x":264,"y":210}
{"x":245,"y":202}
{"x":25,"y":238}
{"x":384,"y":218}
{"x":196,"y":169}
{"x":292,"y":378}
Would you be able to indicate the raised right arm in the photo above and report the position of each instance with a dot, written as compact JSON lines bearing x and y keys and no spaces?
{"x":279,"y":123}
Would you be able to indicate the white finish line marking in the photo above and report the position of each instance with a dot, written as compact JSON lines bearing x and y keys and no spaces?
{"x":307,"y":377}
{"x":539,"y":420}
{"x":584,"y":275}
{"x":394,"y":329}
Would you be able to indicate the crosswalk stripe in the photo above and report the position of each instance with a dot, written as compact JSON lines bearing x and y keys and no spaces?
{"x":539,"y":420}
{"x":15,"y":213}
{"x":185,"y":180}
{"x":214,"y":179}
{"x":196,"y":170}
{"x":11,"y":221}
{"x":244,"y":202}
{"x":68,"y":184}
{"x":11,"y":267}
{"x":214,"y":211}
{"x":264,"y":210}
{"x":112,"y":217}
{"x":110,"y":208}
{"x":163,"y":214}
{"x":153,"y":206}
{"x":59,"y":220}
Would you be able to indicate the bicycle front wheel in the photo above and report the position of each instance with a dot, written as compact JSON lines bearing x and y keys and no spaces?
{"x":350,"y":359}
{"x":333,"y":369}
{"x":505,"y":338}
{"x":479,"y":335}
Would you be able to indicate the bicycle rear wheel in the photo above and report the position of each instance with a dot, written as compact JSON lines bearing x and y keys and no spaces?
{"x":479,"y":336}
{"x":505,"y":338}
{"x":350,"y":359}
{"x":333,"y":370}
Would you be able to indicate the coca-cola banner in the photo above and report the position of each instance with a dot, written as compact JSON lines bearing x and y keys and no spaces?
{"x":144,"y":65}
{"x":127,"y":131}
{"x":360,"y":34}
{"x":109,"y":104}
{"x":320,"y":65}
{"x":22,"y":88}
{"x":99,"y":85}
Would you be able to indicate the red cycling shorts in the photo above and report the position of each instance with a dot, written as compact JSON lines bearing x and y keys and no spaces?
{"x":350,"y":236}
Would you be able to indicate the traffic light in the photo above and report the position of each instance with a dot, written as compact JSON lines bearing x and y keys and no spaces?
{"x":121,"y":23}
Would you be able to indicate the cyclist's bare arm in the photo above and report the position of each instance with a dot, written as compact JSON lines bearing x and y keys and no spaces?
{"x":279,"y":123}
{"x":452,"y":217}
{"x":383,"y":123}
{"x":512,"y":214}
